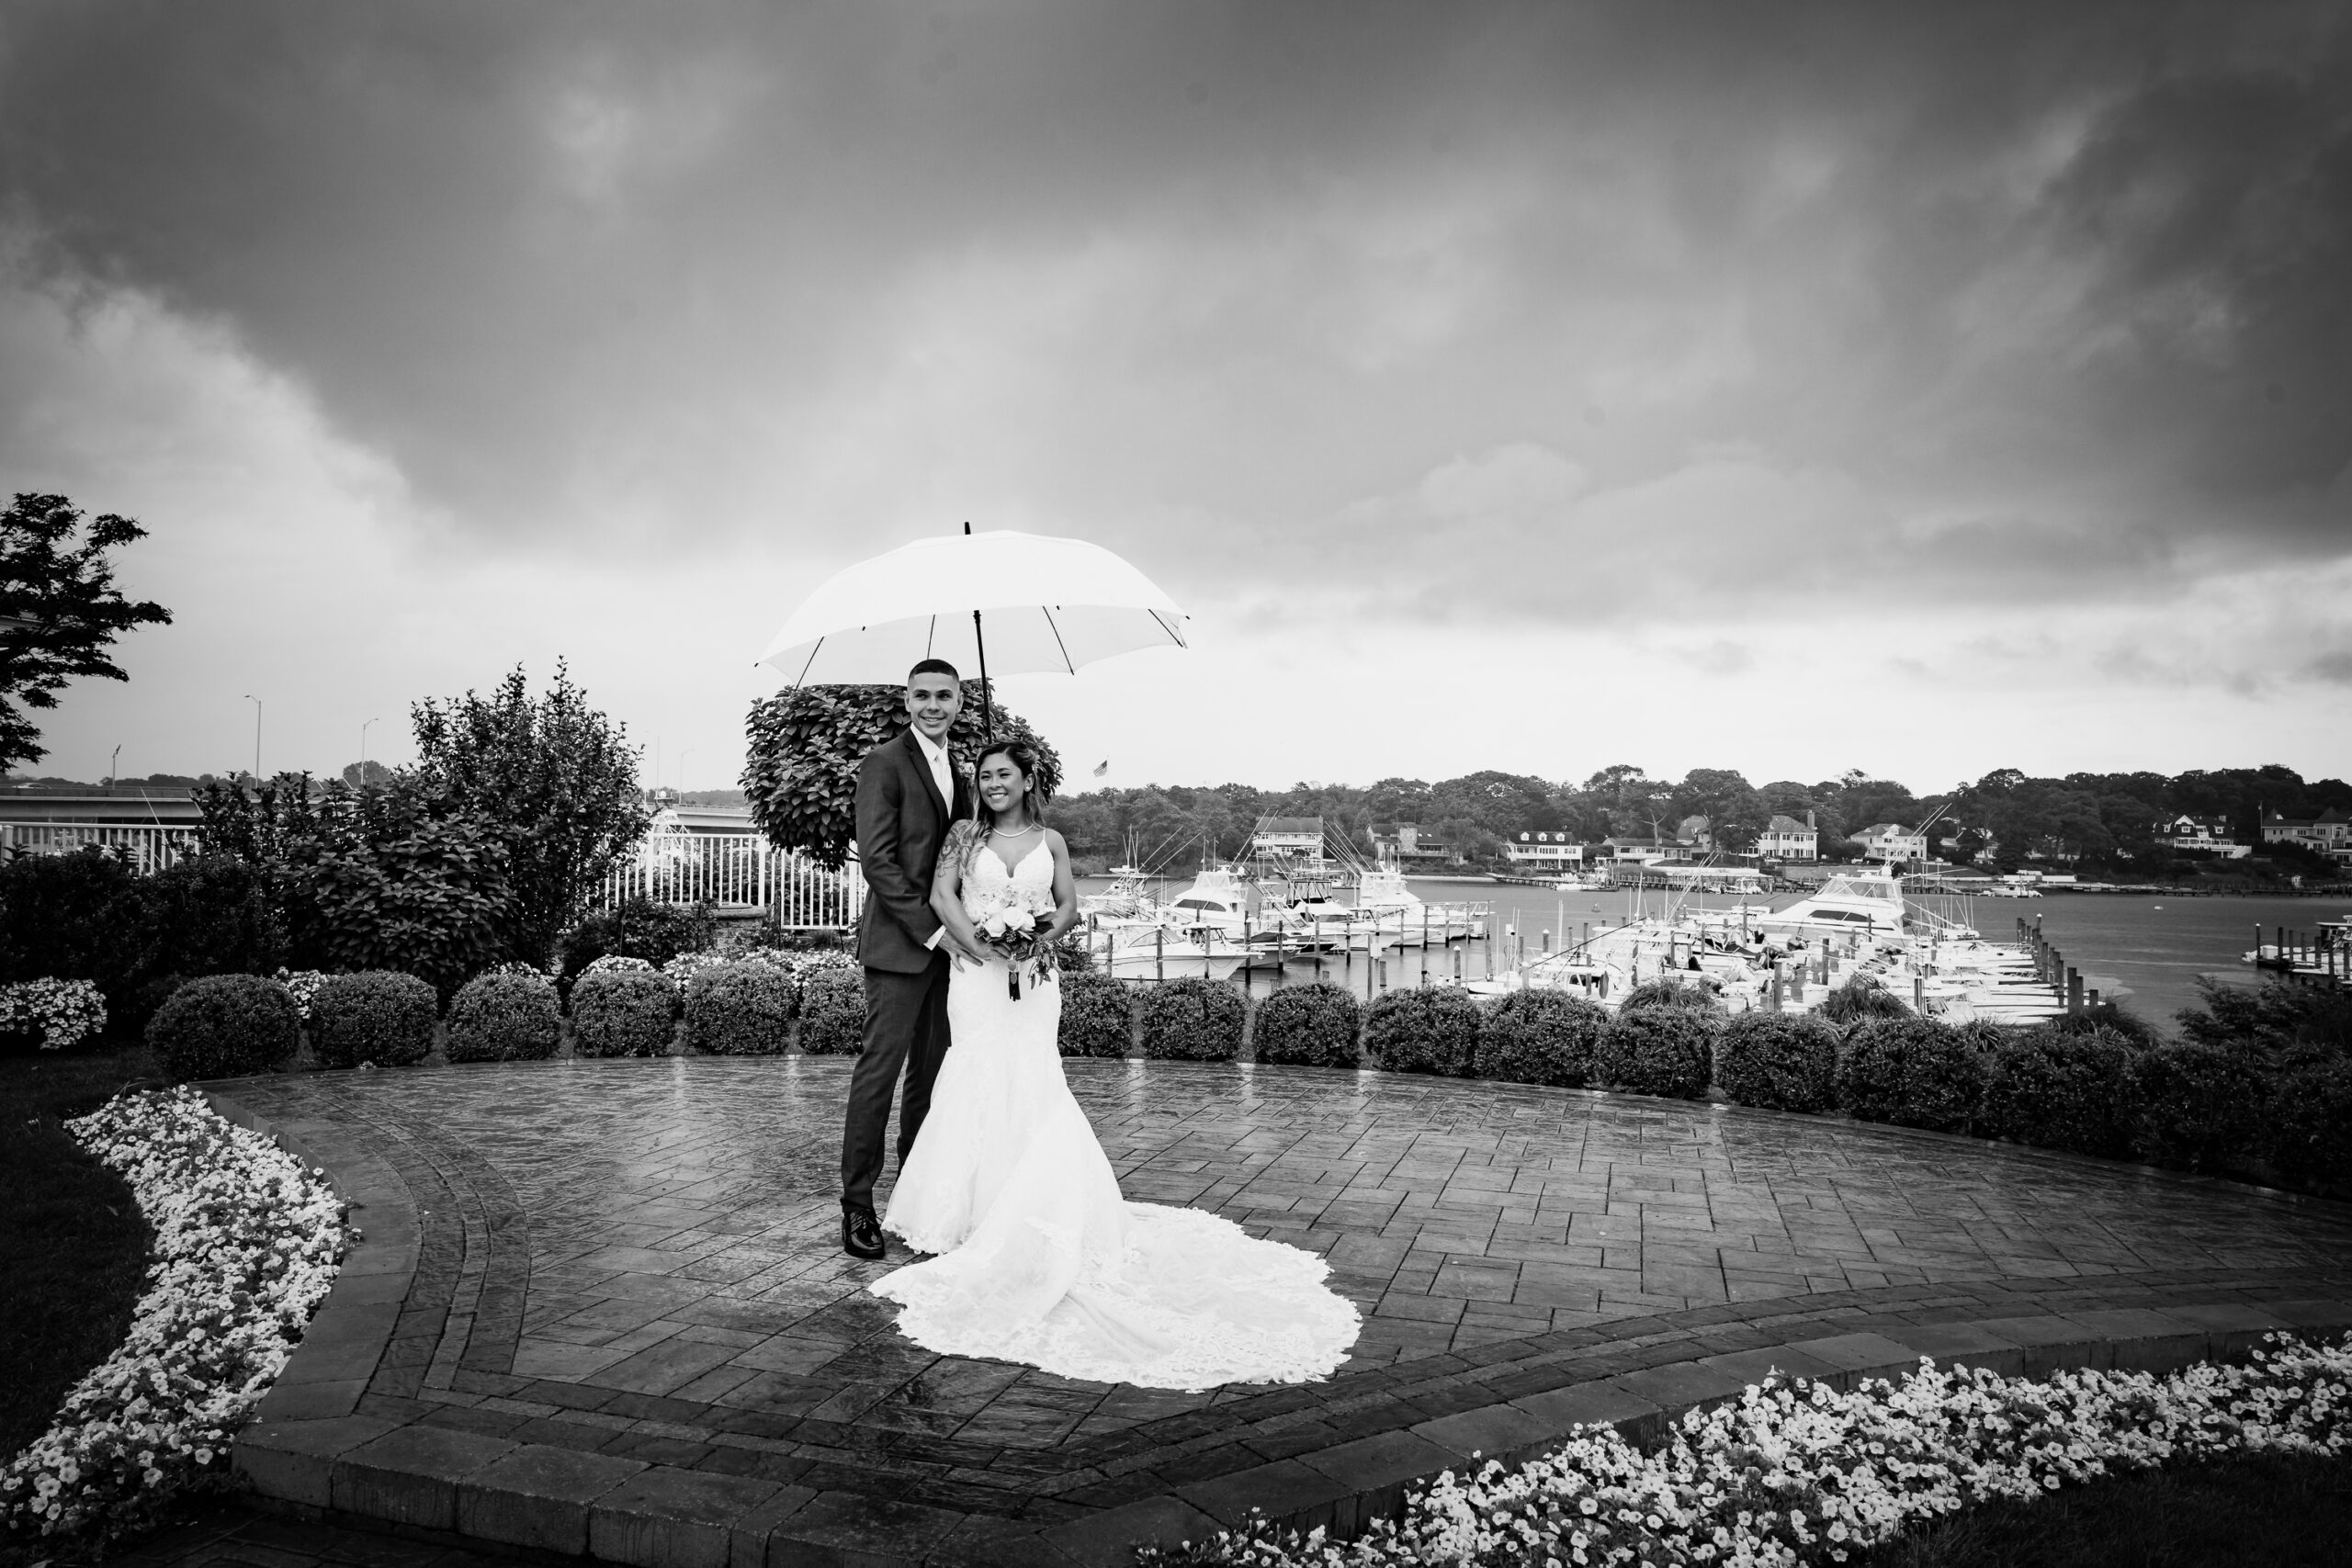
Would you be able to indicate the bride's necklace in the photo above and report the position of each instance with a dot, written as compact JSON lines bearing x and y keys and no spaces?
{"x":1001,"y":833}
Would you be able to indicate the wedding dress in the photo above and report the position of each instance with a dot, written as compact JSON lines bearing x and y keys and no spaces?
{"x":1039,"y":1260}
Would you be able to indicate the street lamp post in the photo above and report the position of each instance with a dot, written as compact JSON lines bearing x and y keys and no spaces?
{"x":114,"y":767}
{"x":363,"y":754}
{"x":682,"y":768}
{"x":256,"y":701}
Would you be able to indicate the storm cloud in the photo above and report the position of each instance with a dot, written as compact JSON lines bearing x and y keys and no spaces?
{"x":1433,"y":312}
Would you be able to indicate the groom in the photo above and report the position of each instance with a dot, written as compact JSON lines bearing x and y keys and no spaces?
{"x":907,"y":793}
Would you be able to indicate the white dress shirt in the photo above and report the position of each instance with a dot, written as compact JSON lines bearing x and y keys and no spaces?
{"x":940,"y":774}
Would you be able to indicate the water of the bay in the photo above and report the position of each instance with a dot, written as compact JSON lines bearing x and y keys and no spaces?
{"x":2156,"y":947}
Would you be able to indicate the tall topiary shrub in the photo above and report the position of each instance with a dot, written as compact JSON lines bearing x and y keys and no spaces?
{"x":741,"y":1009}
{"x":623,"y":1012}
{"x":1914,"y":1072}
{"x":1308,"y":1026}
{"x":1657,"y":1050}
{"x":1432,"y":1030}
{"x":1193,"y":1019}
{"x":832,"y":1012}
{"x":2060,"y":1089}
{"x":1777,"y":1061}
{"x":1540,"y":1036}
{"x":226,"y":1026}
{"x":2202,"y":1107}
{"x":379,"y":1015}
{"x":505,"y":1017}
{"x":1098,"y":1014}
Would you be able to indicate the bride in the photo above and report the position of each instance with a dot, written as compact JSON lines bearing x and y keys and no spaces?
{"x":1038,"y":1259}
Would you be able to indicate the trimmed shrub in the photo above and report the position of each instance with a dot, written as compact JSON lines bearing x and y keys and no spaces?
{"x":623,"y":1012}
{"x":1859,"y":998}
{"x":1656,"y":1050}
{"x":1540,"y":1036}
{"x":2063,"y":1089}
{"x":377,"y":1015}
{"x":740,"y":1010}
{"x":1673,"y":992}
{"x":832,"y":1012}
{"x":1098,"y":1014}
{"x":1777,"y":1061}
{"x":226,"y":1026}
{"x":2311,"y":1126}
{"x":1308,"y":1026}
{"x":1433,"y":1029}
{"x":505,"y":1017}
{"x":2202,"y":1107}
{"x":1913,"y":1072}
{"x":638,"y":929}
{"x":1193,"y":1019}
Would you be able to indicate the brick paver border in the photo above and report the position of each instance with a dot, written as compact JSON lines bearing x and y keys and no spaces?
{"x":442,"y":1249}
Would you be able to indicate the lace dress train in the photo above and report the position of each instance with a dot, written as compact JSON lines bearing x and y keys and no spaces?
{"x":1040,"y":1260}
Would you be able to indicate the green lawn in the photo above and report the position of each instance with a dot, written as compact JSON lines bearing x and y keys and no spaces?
{"x":2274,"y":1510}
{"x":76,"y":1245}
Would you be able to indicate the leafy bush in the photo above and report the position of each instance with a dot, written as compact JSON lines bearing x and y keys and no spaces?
{"x":2282,"y":1024}
{"x":623,"y":1012}
{"x":1309,"y":1026}
{"x":2061,"y":1088}
{"x":1670,"y":992}
{"x":832,"y":1012}
{"x":638,"y":929}
{"x":2111,"y":1018}
{"x":1193,"y":1019}
{"x":379,"y":1016}
{"x":505,"y":1017}
{"x":2202,"y":1107}
{"x":1540,"y":1036}
{"x":1433,"y":1029}
{"x":1656,"y":1050}
{"x":226,"y":1026}
{"x":69,"y":917}
{"x":1777,"y":1061}
{"x":1859,"y":998}
{"x":2311,"y":1126}
{"x":1913,"y":1072}
{"x":741,"y":1009}
{"x":1098,"y":1015}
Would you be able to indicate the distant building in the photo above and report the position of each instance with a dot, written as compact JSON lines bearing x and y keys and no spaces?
{"x":1785,"y":838}
{"x":1287,"y":836}
{"x":1553,"y":852}
{"x":1695,"y":832}
{"x":2205,"y":835}
{"x":1633,"y":848}
{"x":2330,"y":832}
{"x":1891,"y":841}
{"x":1404,"y":840}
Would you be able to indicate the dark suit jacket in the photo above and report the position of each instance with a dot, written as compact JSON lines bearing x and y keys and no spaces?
{"x":902,"y":823}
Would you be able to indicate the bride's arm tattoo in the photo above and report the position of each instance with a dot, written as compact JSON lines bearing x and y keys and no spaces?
{"x":946,"y":901}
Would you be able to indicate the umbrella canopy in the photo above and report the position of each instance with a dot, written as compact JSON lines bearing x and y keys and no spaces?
{"x":995,"y":603}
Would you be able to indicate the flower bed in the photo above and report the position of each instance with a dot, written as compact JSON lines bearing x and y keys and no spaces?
{"x":63,"y":1012}
{"x":1797,"y":1472}
{"x":246,"y":1243}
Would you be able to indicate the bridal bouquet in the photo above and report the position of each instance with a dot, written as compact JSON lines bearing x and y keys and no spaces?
{"x":1016,"y":927}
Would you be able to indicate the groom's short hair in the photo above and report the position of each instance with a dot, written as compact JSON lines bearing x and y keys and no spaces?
{"x":934,"y":667}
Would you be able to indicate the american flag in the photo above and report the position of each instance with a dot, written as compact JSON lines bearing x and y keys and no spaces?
{"x":1101,"y":767}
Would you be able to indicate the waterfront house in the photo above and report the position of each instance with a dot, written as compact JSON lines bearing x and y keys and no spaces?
{"x":1546,"y":851}
{"x":1403,"y":842}
{"x":2330,"y":832}
{"x":1634,"y":849}
{"x":1785,"y":838}
{"x":1282,"y":836}
{"x":2203,"y":835}
{"x":1891,"y":841}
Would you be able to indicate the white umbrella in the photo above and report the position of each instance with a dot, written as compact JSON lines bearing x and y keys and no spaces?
{"x":1021,"y":601}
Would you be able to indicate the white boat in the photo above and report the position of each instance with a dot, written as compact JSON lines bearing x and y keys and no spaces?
{"x":1387,"y":906}
{"x":1152,"y":950}
{"x":1868,"y":904}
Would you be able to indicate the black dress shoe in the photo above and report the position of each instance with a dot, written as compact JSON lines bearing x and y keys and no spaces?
{"x":861,"y":1233}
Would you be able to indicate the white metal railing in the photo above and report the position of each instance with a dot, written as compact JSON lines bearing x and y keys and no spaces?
{"x":738,"y":871}
{"x":149,"y":848}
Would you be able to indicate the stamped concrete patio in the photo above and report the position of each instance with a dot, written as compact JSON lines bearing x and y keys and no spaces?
{"x":600,"y":1307}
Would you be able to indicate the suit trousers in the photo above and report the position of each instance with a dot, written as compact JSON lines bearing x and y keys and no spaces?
{"x":906,"y":1028}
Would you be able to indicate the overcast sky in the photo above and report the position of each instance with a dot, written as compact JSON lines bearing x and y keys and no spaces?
{"x":1918,"y":388}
